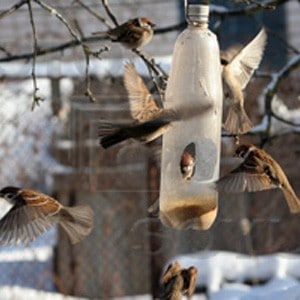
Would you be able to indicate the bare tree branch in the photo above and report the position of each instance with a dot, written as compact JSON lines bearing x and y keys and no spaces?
{"x":36,"y":97}
{"x":54,"y":12}
{"x":272,"y":88}
{"x":93,"y":13}
{"x":12,"y":9}
{"x":109,"y":12}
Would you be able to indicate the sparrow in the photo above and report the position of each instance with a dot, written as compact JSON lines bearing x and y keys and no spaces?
{"x":132,"y":34}
{"x":26,"y":214}
{"x":150,"y":121}
{"x":172,"y":290}
{"x":259,"y":171}
{"x":172,"y":269}
{"x":236,"y":72}
{"x":143,"y":132}
{"x":190,"y":278}
{"x":177,"y":281}
{"x":188,"y":163}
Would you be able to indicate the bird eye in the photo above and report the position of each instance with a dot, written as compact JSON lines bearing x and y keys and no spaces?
{"x":9,"y":196}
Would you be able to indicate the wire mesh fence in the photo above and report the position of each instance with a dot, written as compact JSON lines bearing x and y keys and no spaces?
{"x":128,"y":247}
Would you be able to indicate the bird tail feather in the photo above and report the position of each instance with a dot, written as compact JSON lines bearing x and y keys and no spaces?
{"x":292,"y":200}
{"x":112,"y":134}
{"x":237,"y":121}
{"x":77,"y":222}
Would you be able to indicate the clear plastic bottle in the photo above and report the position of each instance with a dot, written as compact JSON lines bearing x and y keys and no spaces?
{"x":194,"y":79}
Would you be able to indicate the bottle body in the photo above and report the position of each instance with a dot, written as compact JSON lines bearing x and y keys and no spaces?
{"x":195,"y":80}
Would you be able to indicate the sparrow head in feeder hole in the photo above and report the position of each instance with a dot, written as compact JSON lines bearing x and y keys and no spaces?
{"x":188,"y":162}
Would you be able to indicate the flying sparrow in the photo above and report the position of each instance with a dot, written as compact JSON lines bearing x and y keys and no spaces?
{"x":236,"y":73}
{"x":26,"y":214}
{"x":132,"y":34}
{"x":187,"y":164}
{"x":259,"y":171}
{"x":151,"y":121}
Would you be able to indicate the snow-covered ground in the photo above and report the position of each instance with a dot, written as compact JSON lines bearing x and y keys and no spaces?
{"x":224,"y":275}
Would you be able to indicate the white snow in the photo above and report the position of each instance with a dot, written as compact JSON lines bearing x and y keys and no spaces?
{"x":21,"y":293}
{"x":224,"y":274}
{"x":26,"y":136}
{"x":41,"y":254}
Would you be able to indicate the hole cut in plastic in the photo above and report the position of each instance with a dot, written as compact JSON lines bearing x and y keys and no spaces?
{"x":188,"y":161}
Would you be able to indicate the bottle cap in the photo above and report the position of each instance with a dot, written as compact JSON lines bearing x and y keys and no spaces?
{"x":198,"y":13}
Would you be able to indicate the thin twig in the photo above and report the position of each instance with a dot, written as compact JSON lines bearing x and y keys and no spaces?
{"x":261,"y":4}
{"x":155,"y":72}
{"x":283,"y":120}
{"x":12,"y":9}
{"x":36,"y":97}
{"x":93,"y":13}
{"x":2,"y":49}
{"x":272,"y":88}
{"x":87,"y":51}
{"x":109,"y":12}
{"x":54,"y":12}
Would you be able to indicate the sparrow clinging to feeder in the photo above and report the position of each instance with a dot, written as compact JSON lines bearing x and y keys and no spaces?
{"x":236,"y":73}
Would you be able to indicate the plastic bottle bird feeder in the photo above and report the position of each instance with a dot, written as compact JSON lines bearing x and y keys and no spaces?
{"x":191,"y":148}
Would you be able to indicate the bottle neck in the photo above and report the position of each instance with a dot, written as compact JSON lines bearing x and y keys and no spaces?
{"x":202,"y":25}
{"x":197,"y":15}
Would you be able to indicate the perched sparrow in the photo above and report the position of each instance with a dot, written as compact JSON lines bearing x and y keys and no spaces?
{"x":190,"y":278}
{"x":172,"y":290}
{"x":177,"y":282}
{"x":150,"y":120}
{"x":172,"y":269}
{"x":132,"y":34}
{"x":259,"y":171}
{"x":236,"y":73}
{"x":187,"y":163}
{"x":28,"y":214}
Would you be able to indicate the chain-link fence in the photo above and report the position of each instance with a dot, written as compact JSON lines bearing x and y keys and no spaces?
{"x":128,"y":247}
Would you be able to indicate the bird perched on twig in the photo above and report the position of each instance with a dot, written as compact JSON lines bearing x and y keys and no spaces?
{"x":26,"y":214}
{"x":259,"y":171}
{"x":237,"y":70}
{"x":151,"y":121}
{"x":132,"y":34}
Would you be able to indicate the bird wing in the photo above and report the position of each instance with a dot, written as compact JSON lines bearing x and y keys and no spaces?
{"x":26,"y":221}
{"x":247,"y":177}
{"x":142,"y":105}
{"x":247,"y":60}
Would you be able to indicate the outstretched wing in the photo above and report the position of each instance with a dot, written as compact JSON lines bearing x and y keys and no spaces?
{"x":26,"y":221}
{"x":142,"y":105}
{"x":250,"y":176}
{"x":247,"y":60}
